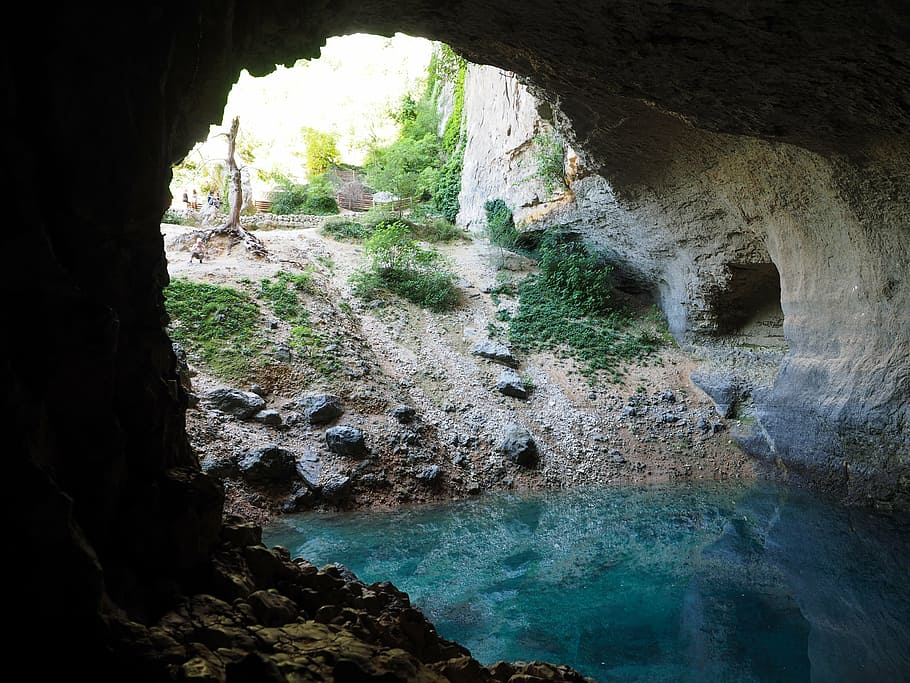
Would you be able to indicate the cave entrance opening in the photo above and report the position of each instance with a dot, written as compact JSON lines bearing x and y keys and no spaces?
{"x":749,"y":310}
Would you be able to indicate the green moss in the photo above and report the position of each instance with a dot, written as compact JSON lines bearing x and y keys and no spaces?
{"x":217,"y":326}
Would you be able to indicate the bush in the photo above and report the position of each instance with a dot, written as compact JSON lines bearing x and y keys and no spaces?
{"x":566,"y":308}
{"x":317,"y":198}
{"x":400,"y":265}
{"x":346,"y":228}
{"x":500,"y":226}
{"x":172,"y":217}
{"x":571,"y":270}
{"x":438,"y":230}
{"x":550,"y":154}
{"x":448,"y":186}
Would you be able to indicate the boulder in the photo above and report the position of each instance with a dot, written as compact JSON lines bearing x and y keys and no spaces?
{"x":346,"y":440}
{"x":223,"y":466}
{"x":267,"y":464}
{"x":722,"y":388}
{"x":336,"y":488}
{"x":241,"y":404}
{"x":518,"y":446}
{"x":309,"y":467}
{"x":511,"y":384}
{"x":430,"y":473}
{"x":495,"y":351}
{"x":320,"y":408}
{"x":403,"y":413}
{"x":268,"y":417}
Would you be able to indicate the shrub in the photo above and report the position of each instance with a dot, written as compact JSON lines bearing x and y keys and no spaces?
{"x":316,"y":198}
{"x":550,"y":154}
{"x":566,"y":308}
{"x":402,"y":266}
{"x":448,"y":185}
{"x":172,"y":217}
{"x":571,"y":270}
{"x":438,"y":230}
{"x":343,"y":227}
{"x":500,"y":226}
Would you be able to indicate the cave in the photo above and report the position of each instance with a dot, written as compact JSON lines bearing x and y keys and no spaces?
{"x":799,"y":111}
{"x":748,"y":309}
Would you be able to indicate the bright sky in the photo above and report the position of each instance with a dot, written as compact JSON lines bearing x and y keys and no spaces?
{"x":346,"y":91}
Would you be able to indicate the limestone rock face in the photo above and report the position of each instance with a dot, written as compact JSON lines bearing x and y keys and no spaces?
{"x":501,"y":120}
{"x":749,"y":244}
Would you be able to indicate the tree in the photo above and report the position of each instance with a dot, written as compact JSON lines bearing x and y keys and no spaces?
{"x":232,"y":226}
{"x":321,"y":151}
{"x":407,"y":168}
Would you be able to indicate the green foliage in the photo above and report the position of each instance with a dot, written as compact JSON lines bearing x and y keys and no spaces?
{"x":343,"y":227}
{"x":282,"y":292}
{"x":321,"y":151}
{"x":448,"y":186}
{"x":400,"y":265}
{"x":565,"y":309}
{"x":427,"y":228}
{"x":443,"y":68}
{"x":317,"y":198}
{"x":550,"y":154}
{"x":569,"y":269}
{"x":438,"y":230}
{"x":407,"y":168}
{"x":420,"y":165}
{"x":174,"y":218}
{"x":500,"y":226}
{"x":452,"y":134}
{"x":216,"y":325}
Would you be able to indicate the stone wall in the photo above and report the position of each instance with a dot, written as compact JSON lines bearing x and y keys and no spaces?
{"x":273,"y":220}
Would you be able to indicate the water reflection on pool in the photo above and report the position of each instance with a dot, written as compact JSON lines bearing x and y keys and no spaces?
{"x":687,"y":582}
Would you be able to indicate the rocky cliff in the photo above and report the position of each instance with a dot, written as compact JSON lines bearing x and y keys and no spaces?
{"x":765,"y":257}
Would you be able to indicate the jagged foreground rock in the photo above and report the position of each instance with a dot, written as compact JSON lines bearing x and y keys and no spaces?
{"x":267,"y":618}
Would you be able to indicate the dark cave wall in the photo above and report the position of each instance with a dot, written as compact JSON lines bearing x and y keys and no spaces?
{"x":107,"y":99}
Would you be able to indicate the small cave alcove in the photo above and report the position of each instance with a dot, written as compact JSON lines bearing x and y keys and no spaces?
{"x":748,"y":309}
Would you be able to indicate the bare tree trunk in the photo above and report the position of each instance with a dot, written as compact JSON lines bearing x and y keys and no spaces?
{"x":232,"y":227}
{"x":233,"y":220}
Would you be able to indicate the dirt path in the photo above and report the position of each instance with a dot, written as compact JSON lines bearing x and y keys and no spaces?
{"x":656,"y":426}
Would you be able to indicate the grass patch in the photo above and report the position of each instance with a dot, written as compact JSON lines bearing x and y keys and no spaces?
{"x":346,"y":229}
{"x":218,"y":326}
{"x":282,"y":293}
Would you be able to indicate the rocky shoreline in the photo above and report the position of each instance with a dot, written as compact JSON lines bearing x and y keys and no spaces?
{"x":259,"y":615}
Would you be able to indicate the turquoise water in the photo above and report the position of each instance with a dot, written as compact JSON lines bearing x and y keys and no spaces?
{"x":689,"y":582}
